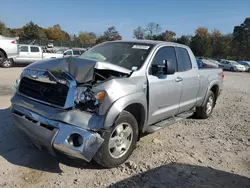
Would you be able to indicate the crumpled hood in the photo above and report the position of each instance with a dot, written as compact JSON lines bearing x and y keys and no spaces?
{"x":81,"y":69}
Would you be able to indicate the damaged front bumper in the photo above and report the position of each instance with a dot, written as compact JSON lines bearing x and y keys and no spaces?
{"x":54,"y":135}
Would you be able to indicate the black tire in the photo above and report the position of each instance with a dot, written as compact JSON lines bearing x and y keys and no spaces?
{"x":7,"y":63}
{"x":248,"y":70}
{"x":202,"y":112}
{"x":232,"y":69}
{"x":104,"y":156}
{"x":2,"y":57}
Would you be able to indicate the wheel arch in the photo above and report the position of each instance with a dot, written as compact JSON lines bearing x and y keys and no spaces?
{"x":136,"y":104}
{"x":214,"y":87}
{"x":5,"y":54}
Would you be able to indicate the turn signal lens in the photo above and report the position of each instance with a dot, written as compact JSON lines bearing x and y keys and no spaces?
{"x":100,"y":95}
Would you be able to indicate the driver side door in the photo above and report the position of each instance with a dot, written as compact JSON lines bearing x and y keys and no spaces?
{"x":164,"y":90}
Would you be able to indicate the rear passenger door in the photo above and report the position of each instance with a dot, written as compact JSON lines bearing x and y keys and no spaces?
{"x":76,"y":53}
{"x":35,"y":54}
{"x":189,"y":79}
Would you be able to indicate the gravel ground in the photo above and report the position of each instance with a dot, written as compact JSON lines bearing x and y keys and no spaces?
{"x":193,"y":153}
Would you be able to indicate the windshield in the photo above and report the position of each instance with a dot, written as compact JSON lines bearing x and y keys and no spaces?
{"x":128,"y":55}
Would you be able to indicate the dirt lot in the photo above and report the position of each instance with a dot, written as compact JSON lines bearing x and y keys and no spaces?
{"x":194,"y":153}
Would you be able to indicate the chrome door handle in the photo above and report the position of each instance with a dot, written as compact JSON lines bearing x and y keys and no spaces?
{"x":178,"y":79}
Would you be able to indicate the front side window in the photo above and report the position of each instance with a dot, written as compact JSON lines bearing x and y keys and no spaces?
{"x":68,"y":53}
{"x":24,"y":49}
{"x":125,"y":54}
{"x":184,"y":62}
{"x":165,"y":53}
{"x":34,"y":49}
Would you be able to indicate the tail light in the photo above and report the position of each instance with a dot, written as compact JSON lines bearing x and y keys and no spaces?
{"x":222,"y":75}
{"x":13,"y":42}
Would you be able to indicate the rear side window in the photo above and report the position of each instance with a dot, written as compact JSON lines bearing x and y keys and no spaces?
{"x":76,"y":52}
{"x":165,"y":53}
{"x":34,"y":49}
{"x":24,"y":49}
{"x":184,"y":62}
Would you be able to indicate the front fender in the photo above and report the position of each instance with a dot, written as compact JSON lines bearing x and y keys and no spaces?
{"x":121,"y":104}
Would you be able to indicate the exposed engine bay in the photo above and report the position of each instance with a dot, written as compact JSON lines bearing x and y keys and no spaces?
{"x":86,"y":93}
{"x":86,"y":74}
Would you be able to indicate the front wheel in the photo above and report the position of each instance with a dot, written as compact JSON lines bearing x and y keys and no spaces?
{"x":232,"y":69}
{"x":205,"y":111}
{"x":119,"y":143}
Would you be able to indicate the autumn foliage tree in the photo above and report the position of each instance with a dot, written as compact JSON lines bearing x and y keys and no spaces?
{"x":86,"y":38}
{"x":235,"y":45}
{"x":109,"y":35}
{"x":57,"y":34}
{"x":33,"y":31}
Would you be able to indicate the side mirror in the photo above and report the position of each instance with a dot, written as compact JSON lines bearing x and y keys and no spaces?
{"x":165,"y":68}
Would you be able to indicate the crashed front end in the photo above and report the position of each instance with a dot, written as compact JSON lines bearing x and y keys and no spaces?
{"x":57,"y":106}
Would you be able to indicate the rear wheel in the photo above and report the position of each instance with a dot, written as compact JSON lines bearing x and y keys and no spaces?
{"x":7,"y":63}
{"x":206,"y":110}
{"x":119,"y":143}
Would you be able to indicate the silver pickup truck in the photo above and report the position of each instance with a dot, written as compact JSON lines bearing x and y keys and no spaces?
{"x":98,"y":105}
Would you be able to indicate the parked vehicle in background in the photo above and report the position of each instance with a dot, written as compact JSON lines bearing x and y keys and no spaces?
{"x":246,"y":64}
{"x":50,"y":45}
{"x":215,"y":62}
{"x":60,"y":51}
{"x":30,"y":53}
{"x":97,"y":106}
{"x":207,"y":63}
{"x":73,"y":52}
{"x":8,"y":51}
{"x":232,"y":66}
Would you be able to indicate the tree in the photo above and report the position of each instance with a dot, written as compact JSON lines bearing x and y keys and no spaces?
{"x":112,"y":34}
{"x":201,"y":42}
{"x":3,"y":30}
{"x":139,"y":33}
{"x":169,"y":36}
{"x":33,"y":31}
{"x":16,"y":32}
{"x":184,"y":39}
{"x":217,"y":44}
{"x":109,"y":35}
{"x":152,"y":30}
{"x":57,"y":34}
{"x":87,"y":37}
{"x":241,"y":40}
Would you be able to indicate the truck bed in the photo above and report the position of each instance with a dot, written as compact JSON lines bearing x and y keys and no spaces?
{"x":207,"y":77}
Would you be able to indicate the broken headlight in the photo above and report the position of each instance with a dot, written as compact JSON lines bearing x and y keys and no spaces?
{"x":86,"y":94}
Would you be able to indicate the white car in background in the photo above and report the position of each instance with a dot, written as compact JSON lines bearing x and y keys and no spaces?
{"x":8,"y":51}
{"x":232,"y":66}
{"x":245,"y":64}
{"x":31,"y":53}
{"x":50,"y":45}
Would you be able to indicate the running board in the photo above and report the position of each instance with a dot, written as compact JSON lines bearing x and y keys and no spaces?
{"x":162,"y":124}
